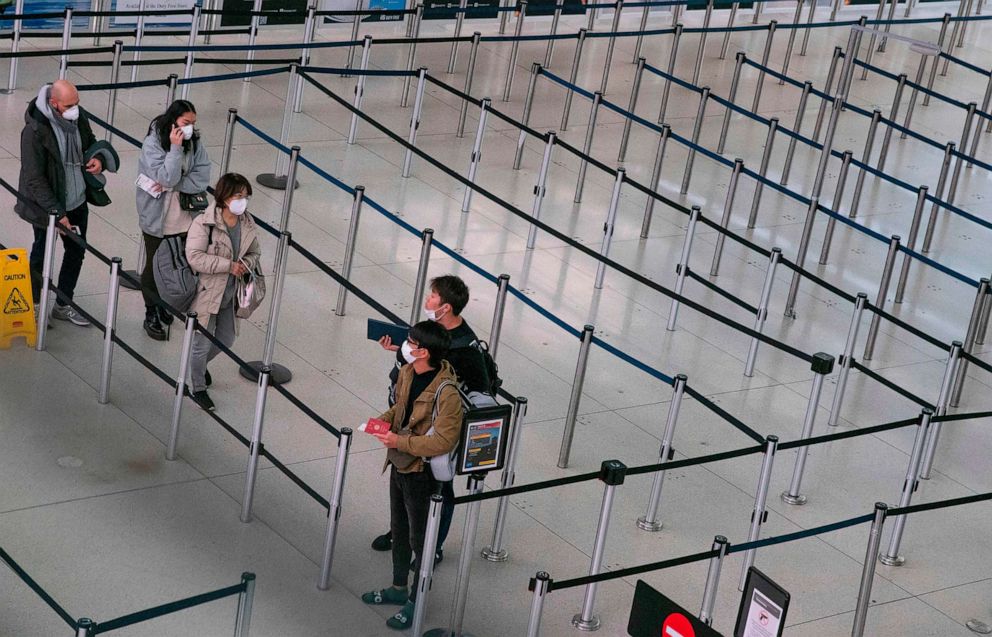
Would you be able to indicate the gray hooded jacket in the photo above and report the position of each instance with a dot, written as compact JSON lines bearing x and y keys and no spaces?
{"x":167,"y":169}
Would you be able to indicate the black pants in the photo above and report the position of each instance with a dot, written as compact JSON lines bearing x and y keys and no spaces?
{"x":72,"y":260}
{"x":447,"y":510}
{"x":148,"y":288}
{"x":409,"y":505}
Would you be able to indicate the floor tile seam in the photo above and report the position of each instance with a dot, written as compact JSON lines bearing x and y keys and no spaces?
{"x":961,"y":585}
{"x":847,"y":612}
{"x":957,"y":621}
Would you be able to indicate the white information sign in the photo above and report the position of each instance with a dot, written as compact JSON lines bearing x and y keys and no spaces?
{"x":155,"y":5}
{"x":764,"y":617}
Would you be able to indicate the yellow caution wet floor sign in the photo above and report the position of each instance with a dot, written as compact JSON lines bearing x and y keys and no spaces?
{"x":16,"y":308}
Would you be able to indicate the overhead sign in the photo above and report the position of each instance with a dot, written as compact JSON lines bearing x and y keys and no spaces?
{"x":654,"y":615}
{"x":763,"y":607}
{"x":155,"y":5}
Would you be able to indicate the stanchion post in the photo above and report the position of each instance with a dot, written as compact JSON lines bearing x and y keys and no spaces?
{"x":955,"y":30}
{"x":540,"y":189}
{"x":232,"y":123}
{"x":360,"y":89}
{"x":650,"y":520}
{"x":46,"y":282}
{"x":759,"y":515}
{"x":612,"y":473}
{"x":859,"y":184}
{"x":827,"y":87}
{"x":969,"y":340}
{"x":356,"y":22}
{"x":115,"y":75}
{"x":850,"y":57}
{"x":809,"y":20}
{"x":611,"y":218}
{"x":418,"y":105}
{"x":730,"y":23}
{"x":639,"y":43}
{"x":278,"y":178}
{"x":628,"y":122}
{"x":15,"y":42}
{"x":964,"y":24}
{"x":943,"y":396}
{"x":914,"y":230}
{"x":190,"y":54}
{"x":535,"y":72}
{"x":610,"y":46}
{"x":495,"y":551}
{"x":682,"y":269}
{"x":309,"y":27}
{"x":720,"y":544}
{"x":891,"y":556}
{"x":667,"y":90}
{"x":459,"y":21}
{"x":764,"y":61}
{"x":702,"y":41}
{"x":762,"y":314}
{"x":349,"y":248}
{"x":920,"y":70}
{"x":986,"y":100}
{"x":576,"y":396}
{"x":255,"y":447}
{"x":85,"y":627}
{"x":503,"y":15}
{"x":936,"y":61}
{"x":279,"y":374}
{"x":476,"y":157}
{"x":834,"y":6}
{"x":963,"y":147}
{"x":945,"y":167}
{"x":762,"y":171}
{"x":734,"y":84}
{"x":426,"y":240}
{"x":836,"y":202}
{"x":252,"y":37}
{"x":139,"y":34}
{"x":823,"y":364}
{"x":66,"y":42}
{"x":412,"y":53}
{"x":539,"y":585}
{"x":573,"y":74}
{"x":697,"y":128}
{"x":758,"y":6}
{"x":792,"y":40}
{"x":426,"y":576}
{"x":883,"y":290}
{"x":550,"y":51}
{"x":597,"y":98}
{"x":110,"y":326}
{"x":868,"y":571}
{"x":246,"y":600}
{"x":171,"y":88}
{"x":177,"y":403}
{"x":797,"y":128}
{"x":469,"y":76}
{"x":728,"y":206}
{"x":334,"y":511}
{"x":871,"y":40}
{"x":502,"y":287}
{"x":659,"y":158}
{"x":983,"y":322}
{"x":514,"y":49}
{"x":893,"y":114}
{"x":847,"y":359}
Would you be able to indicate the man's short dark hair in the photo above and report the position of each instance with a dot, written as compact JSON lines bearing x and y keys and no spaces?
{"x":434,"y":338}
{"x":452,"y":291}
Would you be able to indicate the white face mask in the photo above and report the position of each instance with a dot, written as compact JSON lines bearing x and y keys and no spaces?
{"x":407,"y":351}
{"x":238,"y":206}
{"x":71,"y":114}
{"x":187,"y":131}
{"x":433,"y":315}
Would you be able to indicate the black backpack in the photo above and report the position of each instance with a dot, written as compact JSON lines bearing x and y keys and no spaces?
{"x":492,"y":369}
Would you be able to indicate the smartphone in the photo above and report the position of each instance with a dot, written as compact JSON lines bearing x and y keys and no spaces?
{"x":76,"y":230}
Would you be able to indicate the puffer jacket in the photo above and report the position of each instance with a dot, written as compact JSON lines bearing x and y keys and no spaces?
{"x":413,"y":443}
{"x":210,"y":253}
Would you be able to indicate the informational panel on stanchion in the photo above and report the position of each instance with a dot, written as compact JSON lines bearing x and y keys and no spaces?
{"x":485,"y":432}
{"x":362,"y":5}
{"x":283,"y":12}
{"x":763,"y":607}
{"x":654,"y":615}
{"x":154,"y":5}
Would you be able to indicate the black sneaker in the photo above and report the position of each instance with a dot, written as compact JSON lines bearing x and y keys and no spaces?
{"x":152,"y":325}
{"x":202,"y":398}
{"x":207,"y":379}
{"x":383,"y":542}
{"x":438,"y":558}
{"x":165,"y":316}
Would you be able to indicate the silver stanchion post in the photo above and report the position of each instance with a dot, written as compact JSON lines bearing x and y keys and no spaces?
{"x":955,"y":31}
{"x":697,"y":128}
{"x":580,"y":184}
{"x":246,"y":600}
{"x":334,"y":511}
{"x":540,"y":189}
{"x":659,"y":158}
{"x":702,"y":41}
{"x":891,"y":556}
{"x":177,"y":403}
{"x":730,"y":23}
{"x":920,"y":70}
{"x":426,"y":576}
{"x":682,"y":269}
{"x":969,"y":340}
{"x":309,"y":28}
{"x":535,"y":71}
{"x":945,"y":167}
{"x":792,"y":40}
{"x":110,"y":326}
{"x":893,"y":114}
{"x":859,"y":184}
{"x":933,"y":70}
{"x":667,"y":90}
{"x":495,"y":552}
{"x":418,"y":105}
{"x":171,"y":88}
{"x":764,"y":61}
{"x":809,"y":20}
{"x":591,"y":12}
{"x":469,"y":76}
{"x":355,"y":24}
{"x":360,"y":89}
{"x":823,"y":364}
{"x":459,"y":21}
{"x":255,"y":448}
{"x":871,"y":40}
{"x":503,"y":16}
{"x":232,"y":123}
{"x":46,"y":282}
{"x":836,"y":202}
{"x":834,"y":6}
{"x":139,"y":34}
{"x":426,"y":240}
{"x":115,"y":75}
{"x":555,"y":18}
{"x":677,"y":11}
{"x":720,"y":544}
{"x":610,"y":46}
{"x":759,"y":318}
{"x":986,"y":100}
{"x":639,"y":43}
{"x":612,"y":473}
{"x":827,"y":87}
{"x":796,"y":128}
{"x":278,"y":178}
{"x":964,"y":25}
{"x":766,"y":156}
{"x":85,"y":627}
{"x":983,"y":322}
{"x":15,"y":42}
{"x":190,"y":54}
{"x":573,"y":74}
{"x":943,"y":396}
{"x":476,"y":157}
{"x":868,"y":572}
{"x":540,"y":586}
{"x":914,"y":230}
{"x":515,"y":47}
{"x":963,"y":146}
{"x":412,"y":53}
{"x":502,"y":287}
{"x":611,"y":218}
{"x":252,"y":37}
{"x":650,"y":520}
{"x":759,"y":515}
{"x":850,"y":57}
{"x":734,"y":84}
{"x":728,"y":206}
{"x":883,"y":290}
{"x":66,"y":43}
{"x":349,"y":248}
{"x":846,"y":360}
{"x":576,"y":397}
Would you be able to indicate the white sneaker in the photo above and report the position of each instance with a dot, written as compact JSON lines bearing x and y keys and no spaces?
{"x":69,"y":313}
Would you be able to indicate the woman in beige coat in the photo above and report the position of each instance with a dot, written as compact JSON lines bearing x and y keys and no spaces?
{"x":222,"y":244}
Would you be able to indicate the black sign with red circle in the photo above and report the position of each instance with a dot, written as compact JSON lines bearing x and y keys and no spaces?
{"x":654,"y":615}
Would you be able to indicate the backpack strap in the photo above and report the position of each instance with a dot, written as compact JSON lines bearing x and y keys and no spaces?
{"x":437,"y":397}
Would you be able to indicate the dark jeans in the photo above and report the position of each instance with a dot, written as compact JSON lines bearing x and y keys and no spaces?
{"x":148,"y":288}
{"x":72,"y":261}
{"x":447,"y":510}
{"x":409,"y":504}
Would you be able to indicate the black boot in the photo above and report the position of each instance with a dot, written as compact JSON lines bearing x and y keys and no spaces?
{"x":153,"y":327}
{"x":165,"y":316}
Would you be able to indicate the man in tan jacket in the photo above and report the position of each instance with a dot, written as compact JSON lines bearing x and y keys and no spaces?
{"x":426,"y":396}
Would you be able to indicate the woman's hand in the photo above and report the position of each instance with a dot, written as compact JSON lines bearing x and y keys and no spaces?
{"x":387,"y":439}
{"x":387,"y":344}
{"x":238,"y":268}
{"x":176,"y":136}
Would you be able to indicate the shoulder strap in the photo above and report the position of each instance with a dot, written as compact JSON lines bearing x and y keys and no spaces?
{"x":210,"y":235}
{"x":437,"y":397}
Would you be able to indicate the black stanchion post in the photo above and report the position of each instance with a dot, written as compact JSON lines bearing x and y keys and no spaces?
{"x":476,"y":157}
{"x":963,"y":147}
{"x":827,"y":87}
{"x":969,"y":340}
{"x":232,"y":123}
{"x":945,"y":167}
{"x":759,"y":515}
{"x":659,"y":158}
{"x":411,"y":54}
{"x":720,"y":544}
{"x":360,"y":89}
{"x":797,"y":127}
{"x":764,"y":60}
{"x":349,"y":248}
{"x":15,"y":42}
{"x":730,"y":24}
{"x":610,"y":46}
{"x":459,"y":21}
{"x":190,"y":53}
{"x":883,"y":290}
{"x":936,"y":61}
{"x":762,"y":314}
{"x":502,"y":287}
{"x":177,"y":403}
{"x":252,"y":37}
{"x":612,"y":473}
{"x":514,"y":49}
{"x":836,"y":202}
{"x":139,"y":34}
{"x":650,"y":520}
{"x":46,"y":282}
{"x":672,"y":56}
{"x":847,"y":359}
{"x":336,"y":501}
{"x":893,"y":114}
{"x":611,"y":218}
{"x":426,"y":575}
{"x":278,"y":178}
{"x":255,"y":448}
{"x":792,"y":40}
{"x":823,"y":364}
{"x":66,"y":42}
{"x":539,"y":585}
{"x":85,"y":627}
{"x":576,"y":397}
{"x":540,"y":189}
{"x":702,"y":41}
{"x":766,"y":156}
{"x":115,"y":75}
{"x":682,"y":269}
{"x":734,"y":84}
{"x":550,"y":51}
{"x":418,"y":104}
{"x":631,"y":107}
{"x":639,"y":44}
{"x":728,"y":206}
{"x":943,"y":396}
{"x":246,"y":600}
{"x":535,"y":72}
{"x":110,"y":326}
{"x":280,"y":374}
{"x":309,"y":28}
{"x":910,"y":483}
{"x":580,"y":184}
{"x":426,"y":240}
{"x":495,"y":552}
{"x":868,"y":572}
{"x":697,"y":129}
{"x":809,"y":20}
{"x":859,"y":184}
{"x":469,"y":76}
{"x":914,"y":231}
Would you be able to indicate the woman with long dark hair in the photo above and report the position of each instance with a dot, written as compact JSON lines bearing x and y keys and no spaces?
{"x":173,"y":161}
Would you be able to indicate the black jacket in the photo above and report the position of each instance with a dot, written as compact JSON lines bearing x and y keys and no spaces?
{"x":42,"y":180}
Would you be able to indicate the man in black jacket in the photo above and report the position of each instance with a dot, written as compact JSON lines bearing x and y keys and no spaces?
{"x":54,"y":142}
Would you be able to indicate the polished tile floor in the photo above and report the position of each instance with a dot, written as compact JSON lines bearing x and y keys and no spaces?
{"x":91,"y":508}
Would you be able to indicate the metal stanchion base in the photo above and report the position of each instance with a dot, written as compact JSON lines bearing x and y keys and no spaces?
{"x":495,"y":556}
{"x":280,"y":374}
{"x":898,"y":560}
{"x":127,"y":282}
{"x":6,"y":91}
{"x":274,"y":181}
{"x":443,"y":632}
{"x":978,"y":626}
{"x":586,"y":625}
{"x":797,"y":500}
{"x":644,"y":525}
